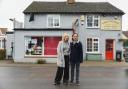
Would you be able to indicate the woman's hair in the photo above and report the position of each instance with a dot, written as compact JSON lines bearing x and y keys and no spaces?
{"x":73,"y":35}
{"x":64,"y":35}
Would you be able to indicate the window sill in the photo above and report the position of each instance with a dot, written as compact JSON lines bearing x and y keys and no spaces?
{"x":40,"y":56}
{"x":93,"y":53}
{"x":92,"y":27}
{"x":53,"y":27}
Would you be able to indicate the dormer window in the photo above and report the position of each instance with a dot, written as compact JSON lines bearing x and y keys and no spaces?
{"x":53,"y":21}
{"x":93,"y":21}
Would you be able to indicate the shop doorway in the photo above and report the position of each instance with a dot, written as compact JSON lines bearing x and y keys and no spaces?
{"x":109,"y":49}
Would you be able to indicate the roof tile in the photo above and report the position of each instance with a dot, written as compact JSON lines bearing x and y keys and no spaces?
{"x":78,"y":7}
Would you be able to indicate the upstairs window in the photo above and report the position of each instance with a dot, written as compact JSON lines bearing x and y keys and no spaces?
{"x":53,"y":21}
{"x":93,"y":21}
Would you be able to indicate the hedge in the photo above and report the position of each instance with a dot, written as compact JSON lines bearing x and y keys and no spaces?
{"x":2,"y":54}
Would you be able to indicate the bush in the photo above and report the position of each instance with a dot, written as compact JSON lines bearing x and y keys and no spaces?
{"x":41,"y":61}
{"x":2,"y":54}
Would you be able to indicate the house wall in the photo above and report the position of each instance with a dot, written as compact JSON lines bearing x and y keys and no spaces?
{"x":102,"y":35}
{"x":40,"y":21}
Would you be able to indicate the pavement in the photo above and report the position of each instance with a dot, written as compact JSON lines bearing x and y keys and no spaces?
{"x":10,"y":63}
{"x":93,"y":75}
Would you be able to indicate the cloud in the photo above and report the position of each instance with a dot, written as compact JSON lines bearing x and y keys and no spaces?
{"x":1,"y":1}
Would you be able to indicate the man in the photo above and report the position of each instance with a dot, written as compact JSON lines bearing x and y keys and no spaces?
{"x":76,"y":57}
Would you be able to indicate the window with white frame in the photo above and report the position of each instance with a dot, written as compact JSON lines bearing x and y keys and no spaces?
{"x":92,"y":45}
{"x":93,"y":21}
{"x":53,"y":21}
{"x":33,"y":45}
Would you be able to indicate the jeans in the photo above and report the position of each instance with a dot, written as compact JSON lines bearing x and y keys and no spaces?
{"x":73,"y":67}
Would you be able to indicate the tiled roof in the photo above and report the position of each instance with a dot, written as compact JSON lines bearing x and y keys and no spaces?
{"x":78,"y":7}
{"x":125,"y":33}
{"x":9,"y":32}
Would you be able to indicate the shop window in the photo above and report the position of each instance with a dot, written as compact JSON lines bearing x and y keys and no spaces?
{"x":33,"y":45}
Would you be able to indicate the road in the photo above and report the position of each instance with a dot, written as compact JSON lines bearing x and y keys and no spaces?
{"x":42,"y":77}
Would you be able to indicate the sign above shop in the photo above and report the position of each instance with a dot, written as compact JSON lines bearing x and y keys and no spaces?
{"x":110,"y":24}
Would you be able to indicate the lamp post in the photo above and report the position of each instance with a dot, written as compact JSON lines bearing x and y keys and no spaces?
{"x":4,"y":43}
{"x":13,"y":20}
{"x":12,"y":43}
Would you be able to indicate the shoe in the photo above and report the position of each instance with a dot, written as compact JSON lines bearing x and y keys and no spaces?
{"x":78,"y":84}
{"x":65,"y":83}
{"x":71,"y":83}
{"x":58,"y":83}
{"x":54,"y":83}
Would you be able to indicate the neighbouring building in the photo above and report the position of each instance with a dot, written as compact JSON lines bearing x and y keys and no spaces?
{"x":125,"y":45}
{"x":99,"y":25}
{"x":125,"y":39}
{"x":9,"y":44}
{"x":3,"y":37}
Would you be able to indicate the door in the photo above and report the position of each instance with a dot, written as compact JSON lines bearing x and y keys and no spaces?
{"x":109,"y":49}
{"x":50,"y":45}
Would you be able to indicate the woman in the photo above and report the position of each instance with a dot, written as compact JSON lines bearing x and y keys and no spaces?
{"x":76,"y":57}
{"x":63,"y":51}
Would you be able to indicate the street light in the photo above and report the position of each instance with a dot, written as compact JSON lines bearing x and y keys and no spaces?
{"x":13,"y":20}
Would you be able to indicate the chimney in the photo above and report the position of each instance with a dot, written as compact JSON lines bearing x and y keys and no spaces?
{"x":70,"y":1}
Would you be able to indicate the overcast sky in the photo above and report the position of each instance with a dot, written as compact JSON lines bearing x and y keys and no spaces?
{"x":14,"y":9}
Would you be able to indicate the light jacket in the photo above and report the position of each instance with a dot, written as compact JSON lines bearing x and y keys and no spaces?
{"x":60,"y":55}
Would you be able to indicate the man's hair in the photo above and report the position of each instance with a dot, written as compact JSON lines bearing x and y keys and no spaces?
{"x":73,"y":35}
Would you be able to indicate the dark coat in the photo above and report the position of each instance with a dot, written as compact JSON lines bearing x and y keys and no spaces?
{"x":76,"y":53}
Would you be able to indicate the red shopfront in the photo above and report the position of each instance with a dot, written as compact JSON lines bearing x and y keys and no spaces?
{"x":50,"y":45}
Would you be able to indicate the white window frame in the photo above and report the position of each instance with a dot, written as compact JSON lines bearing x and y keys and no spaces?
{"x":54,"y":17}
{"x":92,"y":45}
{"x":93,"y":19}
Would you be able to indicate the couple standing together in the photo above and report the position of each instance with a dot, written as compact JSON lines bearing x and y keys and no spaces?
{"x":69,"y":54}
